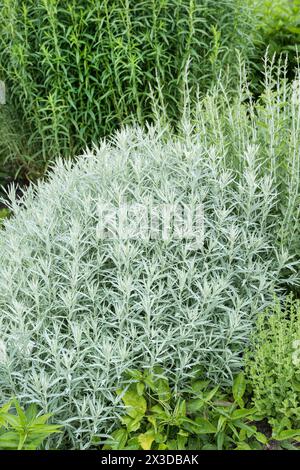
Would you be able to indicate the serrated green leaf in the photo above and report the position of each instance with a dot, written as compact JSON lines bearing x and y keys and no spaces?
{"x":146,"y":439}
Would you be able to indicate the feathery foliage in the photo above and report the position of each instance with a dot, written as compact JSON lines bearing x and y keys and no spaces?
{"x":271,"y":124}
{"x":77,"y":311}
{"x":76,"y":70}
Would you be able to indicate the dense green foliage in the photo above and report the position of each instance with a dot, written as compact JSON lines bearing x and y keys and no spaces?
{"x":273,"y":366}
{"x":280,"y":25}
{"x":201,"y":418}
{"x":279,"y":31}
{"x":76,"y":70}
{"x":23,"y":430}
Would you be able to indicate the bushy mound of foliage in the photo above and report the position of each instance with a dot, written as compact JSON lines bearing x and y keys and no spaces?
{"x":273,"y":367}
{"x":76,"y":70}
{"x":79,"y":307}
{"x":279,"y":31}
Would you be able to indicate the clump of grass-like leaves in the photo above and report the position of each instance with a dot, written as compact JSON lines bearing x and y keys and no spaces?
{"x":75,"y":70}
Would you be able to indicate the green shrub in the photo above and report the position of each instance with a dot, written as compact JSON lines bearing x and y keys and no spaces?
{"x":23,"y":430}
{"x":76,"y":70}
{"x":279,"y":31}
{"x":78,"y":309}
{"x":201,"y":418}
{"x":280,"y":24}
{"x":273,"y":367}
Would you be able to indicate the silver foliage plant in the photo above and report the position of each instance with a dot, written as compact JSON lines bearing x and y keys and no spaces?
{"x":77,"y":311}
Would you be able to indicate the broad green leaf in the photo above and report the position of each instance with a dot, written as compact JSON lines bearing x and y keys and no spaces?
{"x":210,"y":394}
{"x":44,"y":429}
{"x":243,"y":446}
{"x":140,"y":387}
{"x":287,"y":434}
{"x":261,"y":438}
{"x":9,"y":440}
{"x":5,"y":408}
{"x":249,"y":429}
{"x":220,"y":440}
{"x":242,"y":435}
{"x":242,"y":413}
{"x":119,"y":439}
{"x":160,"y":413}
{"x":132,"y":424}
{"x":293,"y":29}
{"x":136,"y":405}
{"x":133,"y":444}
{"x":199,"y":385}
{"x":296,"y":385}
{"x":146,"y":439}
{"x":171,"y":444}
{"x":158,"y":383}
{"x":31,"y":413}
{"x":288,"y":445}
{"x":158,"y":409}
{"x":161,"y":435}
{"x":162,"y":446}
{"x":42,"y":419}
{"x":135,"y":374}
{"x":239,"y":388}
{"x":14,"y":421}
{"x":203,"y":426}
{"x":195,"y":405}
{"x":182,"y":438}
{"x":209,"y":447}
{"x":20,"y":413}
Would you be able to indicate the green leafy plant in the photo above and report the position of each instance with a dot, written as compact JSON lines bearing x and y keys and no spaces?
{"x":279,"y":31}
{"x":23,"y":430}
{"x":280,"y":24}
{"x":77,"y":70}
{"x":273,"y":368}
{"x":202,"y":417}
